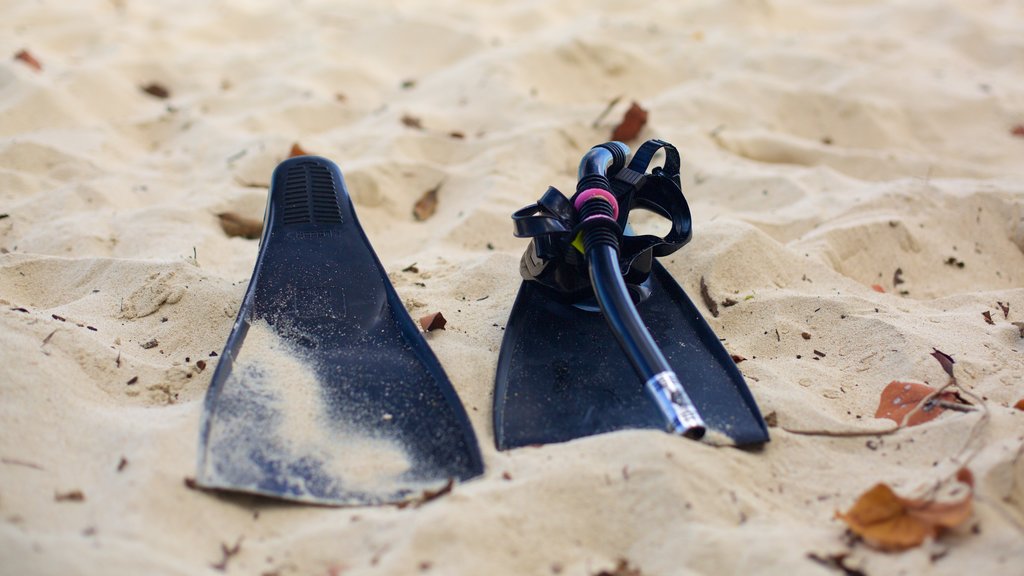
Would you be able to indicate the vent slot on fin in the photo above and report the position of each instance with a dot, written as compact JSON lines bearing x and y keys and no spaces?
{"x":309,"y":195}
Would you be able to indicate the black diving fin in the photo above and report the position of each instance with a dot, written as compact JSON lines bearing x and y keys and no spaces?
{"x":601,"y":337}
{"x":326,"y":392}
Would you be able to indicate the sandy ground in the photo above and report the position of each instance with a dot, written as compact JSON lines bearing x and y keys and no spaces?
{"x":825,"y":146}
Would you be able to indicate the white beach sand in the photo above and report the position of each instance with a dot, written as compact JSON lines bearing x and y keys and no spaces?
{"x":825,"y":145}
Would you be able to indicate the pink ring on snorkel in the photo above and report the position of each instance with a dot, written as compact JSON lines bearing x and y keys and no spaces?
{"x":606,"y":195}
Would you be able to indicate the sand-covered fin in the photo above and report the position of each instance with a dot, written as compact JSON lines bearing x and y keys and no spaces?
{"x":271,"y":433}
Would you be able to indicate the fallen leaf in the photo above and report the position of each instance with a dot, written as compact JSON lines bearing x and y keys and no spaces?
{"x":297,"y":151}
{"x":988,"y":317}
{"x":900,"y":398}
{"x":1018,"y":130}
{"x":427,"y":204}
{"x":966,"y":476}
{"x":410,"y":121}
{"x":737,"y":358}
{"x":705,"y":295}
{"x":632,"y":122}
{"x":240,"y":226}
{"x":156,"y":90}
{"x":1020,"y":404}
{"x":878,"y":288}
{"x":1005,"y":308}
{"x":71,"y":496}
{"x":622,"y":568}
{"x":201,"y":365}
{"x":889,"y":522}
{"x":805,"y":335}
{"x":29,"y":60}
{"x":432,"y":322}
{"x":945,"y":360}
{"x":897,"y":277}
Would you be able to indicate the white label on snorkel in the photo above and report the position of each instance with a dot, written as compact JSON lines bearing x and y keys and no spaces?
{"x":674,"y":403}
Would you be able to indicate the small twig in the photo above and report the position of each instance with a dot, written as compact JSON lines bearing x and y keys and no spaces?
{"x":956,"y":407}
{"x":604,"y":113}
{"x":25,"y":463}
{"x":428,"y":495}
{"x":227,"y":553}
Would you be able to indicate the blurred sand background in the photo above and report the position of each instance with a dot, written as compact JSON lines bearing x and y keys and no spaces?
{"x":825,"y":145}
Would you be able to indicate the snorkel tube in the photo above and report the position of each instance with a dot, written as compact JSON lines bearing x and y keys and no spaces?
{"x":597,"y":212}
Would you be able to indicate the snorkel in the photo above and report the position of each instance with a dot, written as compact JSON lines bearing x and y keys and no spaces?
{"x":597,"y":210}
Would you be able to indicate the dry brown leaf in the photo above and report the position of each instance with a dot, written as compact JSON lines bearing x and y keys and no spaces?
{"x":235,"y":225}
{"x":632,"y":123}
{"x":435,"y":321}
{"x":944,"y":360}
{"x":622,"y":568}
{"x":878,"y":288}
{"x":427,"y":204}
{"x":30,"y":60}
{"x":1020,"y":404}
{"x":156,"y":90}
{"x":988,"y":317}
{"x":69,"y":496}
{"x":297,"y":151}
{"x":890,"y":522}
{"x":900,"y":398}
{"x":410,"y":121}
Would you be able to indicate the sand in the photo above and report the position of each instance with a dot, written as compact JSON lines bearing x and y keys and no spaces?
{"x":827,"y":148}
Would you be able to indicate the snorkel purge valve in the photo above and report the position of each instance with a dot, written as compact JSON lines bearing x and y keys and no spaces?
{"x":591,"y":225}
